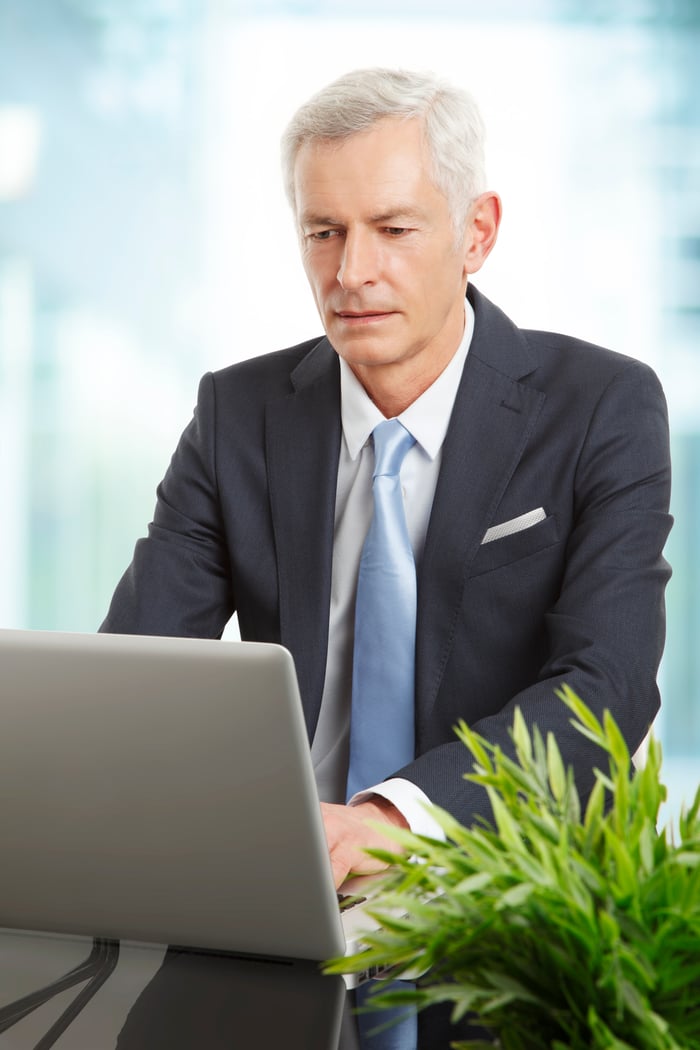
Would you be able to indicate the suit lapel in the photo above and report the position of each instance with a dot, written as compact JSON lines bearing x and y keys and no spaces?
{"x":492,"y":419}
{"x":302,"y":443}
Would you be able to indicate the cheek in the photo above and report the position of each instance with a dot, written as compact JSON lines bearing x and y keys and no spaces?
{"x":311,"y":272}
{"x":320,"y":274}
{"x":321,"y":293}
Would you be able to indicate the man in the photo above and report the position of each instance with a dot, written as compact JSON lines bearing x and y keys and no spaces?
{"x":536,"y":493}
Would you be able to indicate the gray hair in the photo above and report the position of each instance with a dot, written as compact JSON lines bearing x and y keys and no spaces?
{"x":453,"y":128}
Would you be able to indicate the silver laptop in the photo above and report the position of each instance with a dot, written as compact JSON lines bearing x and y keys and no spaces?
{"x":160,"y":790}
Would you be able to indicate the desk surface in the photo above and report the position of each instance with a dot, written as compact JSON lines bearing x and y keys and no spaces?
{"x":73,"y":993}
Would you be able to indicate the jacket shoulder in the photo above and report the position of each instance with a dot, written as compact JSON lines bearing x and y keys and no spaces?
{"x":269,"y":374}
{"x":545,"y":356}
{"x":584,"y":364}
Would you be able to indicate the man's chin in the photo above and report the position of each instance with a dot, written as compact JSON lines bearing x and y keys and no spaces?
{"x":364,"y":348}
{"x":360,"y":357}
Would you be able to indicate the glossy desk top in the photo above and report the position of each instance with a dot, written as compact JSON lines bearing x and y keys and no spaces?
{"x":79,"y":994}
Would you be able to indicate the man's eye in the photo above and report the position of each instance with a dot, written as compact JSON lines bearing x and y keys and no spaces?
{"x":395,"y":231}
{"x":322,"y":235}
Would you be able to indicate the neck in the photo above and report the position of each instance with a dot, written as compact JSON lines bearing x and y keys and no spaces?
{"x":392,"y":396}
{"x":393,"y":387}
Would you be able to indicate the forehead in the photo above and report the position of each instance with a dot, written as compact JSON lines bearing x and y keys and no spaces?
{"x":388,"y":164}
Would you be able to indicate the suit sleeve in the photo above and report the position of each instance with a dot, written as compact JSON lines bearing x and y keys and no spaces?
{"x":179,"y":581}
{"x":605,"y":630}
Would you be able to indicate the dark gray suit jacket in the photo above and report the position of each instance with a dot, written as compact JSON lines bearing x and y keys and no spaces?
{"x":244,"y":520}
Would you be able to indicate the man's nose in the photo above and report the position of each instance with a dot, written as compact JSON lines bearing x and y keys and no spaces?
{"x":359,"y":262}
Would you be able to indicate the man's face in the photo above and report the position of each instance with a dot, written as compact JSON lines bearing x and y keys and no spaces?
{"x":380,"y":250}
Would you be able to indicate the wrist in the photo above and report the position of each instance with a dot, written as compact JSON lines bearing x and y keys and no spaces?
{"x":386,"y":811}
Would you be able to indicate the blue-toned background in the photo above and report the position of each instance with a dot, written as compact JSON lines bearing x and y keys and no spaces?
{"x":144,"y":238}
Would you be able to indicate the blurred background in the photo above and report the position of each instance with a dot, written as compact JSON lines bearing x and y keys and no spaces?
{"x":144,"y":239}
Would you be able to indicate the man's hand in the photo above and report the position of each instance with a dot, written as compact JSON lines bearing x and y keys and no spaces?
{"x":349,"y":835}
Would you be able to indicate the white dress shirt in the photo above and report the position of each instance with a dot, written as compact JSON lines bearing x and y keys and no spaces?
{"x":427,"y":419}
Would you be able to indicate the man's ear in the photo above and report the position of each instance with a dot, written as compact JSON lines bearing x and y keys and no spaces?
{"x":483,"y":220}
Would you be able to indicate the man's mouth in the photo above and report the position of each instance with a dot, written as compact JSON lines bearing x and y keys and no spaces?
{"x":362,"y":316}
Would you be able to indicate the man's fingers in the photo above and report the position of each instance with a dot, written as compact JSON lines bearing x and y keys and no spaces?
{"x":349,"y":835}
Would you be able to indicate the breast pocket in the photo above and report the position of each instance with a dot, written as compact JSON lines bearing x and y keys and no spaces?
{"x":517,"y":545}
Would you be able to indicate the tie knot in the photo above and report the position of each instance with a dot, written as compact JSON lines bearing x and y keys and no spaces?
{"x":391,"y":443}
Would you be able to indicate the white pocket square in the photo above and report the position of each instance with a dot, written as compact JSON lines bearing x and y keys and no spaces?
{"x":507,"y":528}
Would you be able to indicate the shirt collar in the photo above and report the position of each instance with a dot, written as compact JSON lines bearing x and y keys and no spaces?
{"x":427,"y":417}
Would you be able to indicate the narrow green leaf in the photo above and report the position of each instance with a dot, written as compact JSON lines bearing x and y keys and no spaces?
{"x":521,"y":739}
{"x":515,"y":896}
{"x":555,"y":768}
{"x":472,"y":884}
{"x":616,"y":742}
{"x":586,"y":718}
{"x":647,"y":838}
{"x":475,"y":743}
{"x":507,"y":827}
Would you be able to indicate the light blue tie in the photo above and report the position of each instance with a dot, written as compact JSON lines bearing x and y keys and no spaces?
{"x":382,"y":734}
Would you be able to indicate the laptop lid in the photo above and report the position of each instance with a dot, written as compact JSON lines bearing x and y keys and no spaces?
{"x":161,"y":790}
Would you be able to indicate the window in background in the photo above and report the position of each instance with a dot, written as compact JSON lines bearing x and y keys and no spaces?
{"x":144,"y":238}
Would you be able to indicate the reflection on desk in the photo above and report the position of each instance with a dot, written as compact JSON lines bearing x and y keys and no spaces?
{"x":72,"y":993}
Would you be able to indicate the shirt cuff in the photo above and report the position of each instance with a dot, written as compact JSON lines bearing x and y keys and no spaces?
{"x":410,"y":802}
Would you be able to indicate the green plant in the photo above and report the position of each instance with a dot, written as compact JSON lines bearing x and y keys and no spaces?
{"x":556,"y":928}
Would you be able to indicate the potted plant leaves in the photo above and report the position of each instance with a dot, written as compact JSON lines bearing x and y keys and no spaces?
{"x":557,"y":927}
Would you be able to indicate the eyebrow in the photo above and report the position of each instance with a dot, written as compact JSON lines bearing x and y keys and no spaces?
{"x":318,"y":220}
{"x":393,"y":214}
{"x":399,"y":212}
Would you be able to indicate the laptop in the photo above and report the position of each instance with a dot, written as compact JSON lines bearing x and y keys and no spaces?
{"x":160,"y":790}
